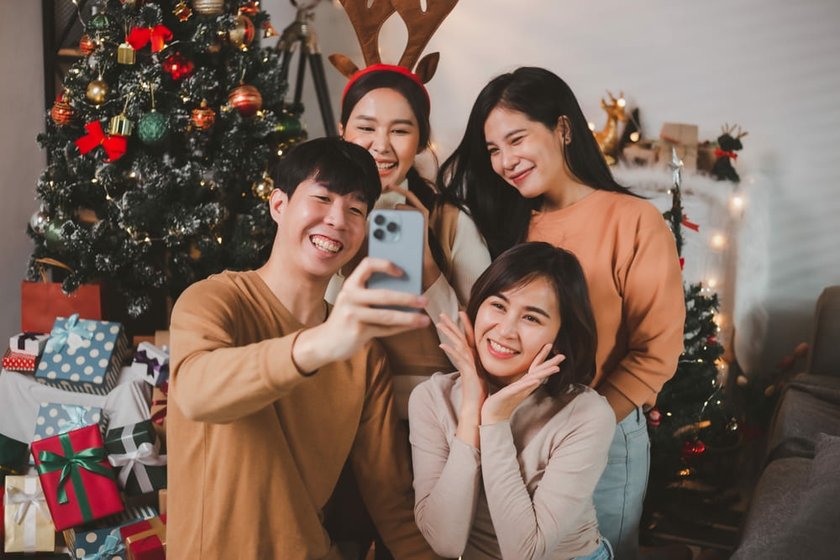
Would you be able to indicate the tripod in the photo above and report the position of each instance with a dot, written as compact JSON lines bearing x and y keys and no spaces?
{"x":300,"y":34}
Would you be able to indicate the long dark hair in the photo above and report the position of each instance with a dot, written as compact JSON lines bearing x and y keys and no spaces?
{"x":577,"y":338}
{"x":419,"y":103}
{"x":467,"y":178}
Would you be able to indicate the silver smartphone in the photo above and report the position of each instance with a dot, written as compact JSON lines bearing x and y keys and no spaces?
{"x":397,"y":236}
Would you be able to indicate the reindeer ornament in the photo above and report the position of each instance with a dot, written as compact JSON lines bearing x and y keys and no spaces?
{"x":607,"y":137}
{"x":728,"y":144}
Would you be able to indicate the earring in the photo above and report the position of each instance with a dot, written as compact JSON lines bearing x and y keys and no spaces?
{"x":567,"y":138}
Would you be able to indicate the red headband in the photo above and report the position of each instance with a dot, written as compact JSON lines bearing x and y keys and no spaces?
{"x":385,"y":68}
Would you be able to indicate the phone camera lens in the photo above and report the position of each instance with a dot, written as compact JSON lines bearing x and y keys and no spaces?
{"x":392,"y":227}
{"x":379,"y":233}
{"x":379,"y":219}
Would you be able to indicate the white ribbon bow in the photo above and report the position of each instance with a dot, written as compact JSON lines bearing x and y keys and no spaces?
{"x":145,"y":454}
{"x":24,"y":499}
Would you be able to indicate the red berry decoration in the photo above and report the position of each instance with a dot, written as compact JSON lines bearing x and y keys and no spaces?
{"x":178,"y":66}
{"x":693,"y":449}
{"x":245,"y":99}
{"x":203,"y":118}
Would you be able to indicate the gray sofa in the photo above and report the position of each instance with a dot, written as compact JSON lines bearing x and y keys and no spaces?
{"x":795,"y":509}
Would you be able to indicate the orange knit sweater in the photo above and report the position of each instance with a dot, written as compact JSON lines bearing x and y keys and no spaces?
{"x":631,"y":266}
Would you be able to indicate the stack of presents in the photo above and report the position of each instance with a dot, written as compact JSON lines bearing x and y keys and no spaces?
{"x":82,"y":442}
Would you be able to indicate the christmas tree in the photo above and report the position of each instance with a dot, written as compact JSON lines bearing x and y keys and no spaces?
{"x":691,"y":420}
{"x":159,"y":148}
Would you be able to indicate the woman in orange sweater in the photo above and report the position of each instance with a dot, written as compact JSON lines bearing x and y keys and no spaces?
{"x":529,"y":169}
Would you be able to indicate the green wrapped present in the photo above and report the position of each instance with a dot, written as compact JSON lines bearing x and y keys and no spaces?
{"x":135,"y":452}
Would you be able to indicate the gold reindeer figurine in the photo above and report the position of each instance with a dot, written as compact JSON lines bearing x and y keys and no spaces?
{"x":607,"y":137}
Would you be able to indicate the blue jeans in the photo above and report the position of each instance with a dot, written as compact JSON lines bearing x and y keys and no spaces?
{"x":603,"y":552}
{"x":620,"y":492}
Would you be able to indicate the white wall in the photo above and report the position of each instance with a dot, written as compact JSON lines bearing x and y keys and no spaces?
{"x":21,"y":160}
{"x":772,"y":66}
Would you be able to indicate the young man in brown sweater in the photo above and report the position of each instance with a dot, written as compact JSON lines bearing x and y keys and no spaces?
{"x":272,"y":392}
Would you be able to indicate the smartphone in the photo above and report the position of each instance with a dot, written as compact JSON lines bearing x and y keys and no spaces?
{"x":397,"y":236}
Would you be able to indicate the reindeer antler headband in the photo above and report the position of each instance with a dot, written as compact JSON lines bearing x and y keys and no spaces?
{"x":421,"y":25}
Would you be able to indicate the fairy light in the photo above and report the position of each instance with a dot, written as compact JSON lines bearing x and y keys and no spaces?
{"x":634,"y":136}
{"x":737,"y":202}
{"x":711,"y":283}
{"x":718,"y":241}
{"x":591,"y":126}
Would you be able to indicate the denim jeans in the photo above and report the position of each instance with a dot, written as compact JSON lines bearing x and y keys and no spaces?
{"x":620,"y":492}
{"x":603,"y":552}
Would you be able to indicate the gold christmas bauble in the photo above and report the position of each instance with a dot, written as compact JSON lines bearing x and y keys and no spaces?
{"x":209,"y":7}
{"x":87,"y":45}
{"x":262,"y":187}
{"x":97,"y":92}
{"x":182,"y":11}
{"x":245,"y":99}
{"x":203,"y":118}
{"x":243,"y":32}
{"x":62,"y":113}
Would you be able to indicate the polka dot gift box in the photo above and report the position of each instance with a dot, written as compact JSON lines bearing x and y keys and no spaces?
{"x":83,"y":356}
{"x":54,"y":418}
{"x":103,"y":544}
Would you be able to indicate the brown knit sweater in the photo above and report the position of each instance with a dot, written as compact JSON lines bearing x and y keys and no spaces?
{"x":255,"y":448}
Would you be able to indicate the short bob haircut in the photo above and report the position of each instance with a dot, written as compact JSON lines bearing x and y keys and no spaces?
{"x":342,"y":167}
{"x":577,"y":338}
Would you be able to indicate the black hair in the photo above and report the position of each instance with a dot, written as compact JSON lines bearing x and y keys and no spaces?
{"x":419,"y":103}
{"x":467,"y":178}
{"x":577,"y":338}
{"x":342,"y":167}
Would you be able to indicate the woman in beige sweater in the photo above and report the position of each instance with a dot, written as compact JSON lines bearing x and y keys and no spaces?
{"x":507,"y":450}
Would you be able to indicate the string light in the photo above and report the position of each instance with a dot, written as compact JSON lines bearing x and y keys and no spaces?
{"x":718,"y":241}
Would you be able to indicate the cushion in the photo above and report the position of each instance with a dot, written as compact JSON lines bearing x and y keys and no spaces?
{"x":800,"y":416}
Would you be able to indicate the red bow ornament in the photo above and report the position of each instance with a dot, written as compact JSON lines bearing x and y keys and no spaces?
{"x":722,"y":153}
{"x":114,"y":146}
{"x":689,"y":224}
{"x":158,"y":35}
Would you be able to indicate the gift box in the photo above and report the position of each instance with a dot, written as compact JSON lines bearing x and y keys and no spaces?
{"x":162,"y":500}
{"x":135,"y":452}
{"x":96,"y":544}
{"x":684,"y":139}
{"x":158,"y":409}
{"x":83,"y":355}
{"x":146,"y":540}
{"x":57,"y":418}
{"x":26,"y":519}
{"x":151,"y":363}
{"x":28,"y":343}
{"x":15,"y":361}
{"x":78,"y":481}
{"x":13,"y":454}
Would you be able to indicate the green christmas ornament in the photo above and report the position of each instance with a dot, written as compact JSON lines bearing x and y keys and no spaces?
{"x":152,"y":128}
{"x":99,"y":22}
{"x":54,"y":236}
{"x":288,"y":127}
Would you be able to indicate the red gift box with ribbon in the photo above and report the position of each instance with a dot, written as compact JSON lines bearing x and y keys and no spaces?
{"x":146,"y":540}
{"x":78,"y":481}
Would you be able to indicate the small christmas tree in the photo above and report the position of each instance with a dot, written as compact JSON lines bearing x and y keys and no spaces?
{"x":691,"y":417}
{"x":159,"y":148}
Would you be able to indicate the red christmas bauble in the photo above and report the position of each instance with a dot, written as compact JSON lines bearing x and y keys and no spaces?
{"x":87,"y":45}
{"x":62,"y":113}
{"x":249,"y":8}
{"x":711,"y":340}
{"x":242,"y":33}
{"x":245,"y":99}
{"x":178,"y":66}
{"x":693,"y":449}
{"x":203,"y":117}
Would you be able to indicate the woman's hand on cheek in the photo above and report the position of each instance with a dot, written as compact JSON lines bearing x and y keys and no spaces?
{"x":460,"y":347}
{"x":499,"y":406}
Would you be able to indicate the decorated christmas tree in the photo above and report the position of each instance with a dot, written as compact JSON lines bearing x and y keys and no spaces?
{"x":159,"y":148}
{"x":691,"y":422}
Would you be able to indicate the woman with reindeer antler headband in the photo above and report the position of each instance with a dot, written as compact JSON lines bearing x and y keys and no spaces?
{"x":529,"y":169}
{"x":385,"y":109}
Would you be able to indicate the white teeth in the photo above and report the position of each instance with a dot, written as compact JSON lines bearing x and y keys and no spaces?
{"x":501,"y":349}
{"x":386,"y":165}
{"x":326,"y":244}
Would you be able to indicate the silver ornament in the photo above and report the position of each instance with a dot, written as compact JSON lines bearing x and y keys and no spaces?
{"x":38,"y":222}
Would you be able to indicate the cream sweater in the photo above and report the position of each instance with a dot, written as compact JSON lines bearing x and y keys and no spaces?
{"x":527,"y":493}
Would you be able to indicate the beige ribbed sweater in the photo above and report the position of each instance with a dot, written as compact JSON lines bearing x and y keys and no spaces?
{"x":527,"y":493}
{"x":630,"y":262}
{"x":255,"y":448}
